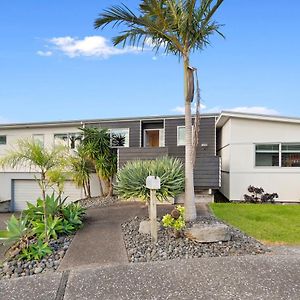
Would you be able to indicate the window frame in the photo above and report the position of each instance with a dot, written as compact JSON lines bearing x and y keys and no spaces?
{"x":110,"y":137}
{"x":68,"y":134}
{"x":280,"y":144}
{"x":5,"y":143}
{"x":41,"y":135}
{"x":177,"y":142}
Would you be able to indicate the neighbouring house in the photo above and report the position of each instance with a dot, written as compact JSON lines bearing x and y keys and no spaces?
{"x":259,"y":150}
{"x":235,"y":150}
{"x":145,"y":138}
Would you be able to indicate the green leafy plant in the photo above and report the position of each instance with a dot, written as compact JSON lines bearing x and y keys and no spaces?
{"x":53,"y":206}
{"x":175,"y":220}
{"x":35,"y":251}
{"x":131,"y":179}
{"x":54,"y":227}
{"x":16,"y":230}
{"x":73,"y":214}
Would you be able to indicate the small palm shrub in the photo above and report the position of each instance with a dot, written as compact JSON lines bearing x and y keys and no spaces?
{"x":131,"y":179}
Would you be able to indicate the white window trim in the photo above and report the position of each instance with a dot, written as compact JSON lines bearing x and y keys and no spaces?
{"x":39,"y":134}
{"x":179,"y":144}
{"x":183,"y":126}
{"x":279,"y":153}
{"x":115,"y":147}
{"x":68,"y":134}
{"x":155,"y":129}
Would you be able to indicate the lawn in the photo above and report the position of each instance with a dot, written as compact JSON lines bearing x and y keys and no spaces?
{"x":271,"y":224}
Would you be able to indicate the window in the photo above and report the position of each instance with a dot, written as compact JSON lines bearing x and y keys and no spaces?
{"x":267,"y":155}
{"x":119,"y":137}
{"x":2,"y":139}
{"x":38,"y":138}
{"x":290,"y":155}
{"x":70,"y":140}
{"x":181,"y":136}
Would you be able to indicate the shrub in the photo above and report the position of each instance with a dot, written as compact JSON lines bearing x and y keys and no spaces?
{"x":131,"y":179}
{"x":175,"y":220}
{"x":53,"y":227}
{"x":258,"y":195}
{"x":73,"y":215}
{"x":35,"y":251}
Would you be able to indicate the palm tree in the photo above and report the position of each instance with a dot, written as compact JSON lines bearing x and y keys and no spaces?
{"x":180,"y":28}
{"x":30,"y":154}
{"x":97,"y":145}
{"x":81,"y":167}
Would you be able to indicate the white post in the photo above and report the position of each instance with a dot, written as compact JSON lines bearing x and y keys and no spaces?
{"x":153,"y":184}
{"x":153,"y":221}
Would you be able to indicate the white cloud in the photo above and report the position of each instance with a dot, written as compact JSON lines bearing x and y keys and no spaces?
{"x":44,"y":53}
{"x":245,"y":109}
{"x":181,"y":110}
{"x":89,"y":46}
{"x":255,"y":110}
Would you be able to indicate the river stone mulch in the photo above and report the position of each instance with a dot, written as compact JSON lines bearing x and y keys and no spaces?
{"x":18,"y":268}
{"x":140,"y":248}
{"x":95,"y":202}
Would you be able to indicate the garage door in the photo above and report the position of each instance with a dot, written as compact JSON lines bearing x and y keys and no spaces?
{"x":28,"y":191}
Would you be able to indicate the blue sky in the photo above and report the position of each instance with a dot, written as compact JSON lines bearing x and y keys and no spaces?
{"x":55,"y":66}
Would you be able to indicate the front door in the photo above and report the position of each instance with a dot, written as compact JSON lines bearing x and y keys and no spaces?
{"x":151,"y":138}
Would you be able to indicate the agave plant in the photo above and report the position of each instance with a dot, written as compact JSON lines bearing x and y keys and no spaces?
{"x":131,"y":179}
{"x":16,"y":235}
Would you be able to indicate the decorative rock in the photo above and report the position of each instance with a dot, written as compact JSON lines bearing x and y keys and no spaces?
{"x":145,"y":227}
{"x":209,"y":233}
{"x":38,"y":270}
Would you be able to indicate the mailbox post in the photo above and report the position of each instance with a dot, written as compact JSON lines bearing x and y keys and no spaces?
{"x":153,"y":183}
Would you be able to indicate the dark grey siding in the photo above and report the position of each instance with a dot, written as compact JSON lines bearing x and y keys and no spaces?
{"x":207,"y":163}
{"x":206,"y":173}
{"x":134,"y":130}
{"x":129,"y":154}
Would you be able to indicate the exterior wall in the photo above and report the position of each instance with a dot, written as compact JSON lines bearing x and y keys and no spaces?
{"x":13,"y":135}
{"x":223,"y":150}
{"x":206,"y":169}
{"x":206,"y":173}
{"x":244,"y":134}
{"x":134,"y":129}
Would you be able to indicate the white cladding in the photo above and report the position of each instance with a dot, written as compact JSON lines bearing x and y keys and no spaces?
{"x":237,"y":141}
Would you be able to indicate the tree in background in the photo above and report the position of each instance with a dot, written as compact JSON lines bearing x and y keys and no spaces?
{"x":96,"y":143}
{"x":179,"y":28}
{"x":81,"y":166}
{"x":33,"y":155}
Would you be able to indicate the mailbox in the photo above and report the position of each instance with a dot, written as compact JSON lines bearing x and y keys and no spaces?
{"x":153,"y":182}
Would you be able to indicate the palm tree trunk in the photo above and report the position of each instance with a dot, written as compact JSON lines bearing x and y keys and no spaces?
{"x":189,"y":200}
{"x":43,"y":184}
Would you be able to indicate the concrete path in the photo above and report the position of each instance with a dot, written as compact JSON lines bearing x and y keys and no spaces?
{"x":248,"y":277}
{"x":100,"y":241}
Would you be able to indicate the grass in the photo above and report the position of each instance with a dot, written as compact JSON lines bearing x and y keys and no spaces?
{"x":270,"y":224}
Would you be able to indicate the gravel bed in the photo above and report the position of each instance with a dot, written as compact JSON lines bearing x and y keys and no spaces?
{"x":18,"y":268}
{"x":140,"y":249}
{"x":98,"y":201}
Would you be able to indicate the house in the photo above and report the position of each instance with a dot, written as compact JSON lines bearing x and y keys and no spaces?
{"x":259,"y":150}
{"x":235,"y":150}
{"x":144,"y":138}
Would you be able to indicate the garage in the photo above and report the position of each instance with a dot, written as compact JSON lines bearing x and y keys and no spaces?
{"x":29,"y":191}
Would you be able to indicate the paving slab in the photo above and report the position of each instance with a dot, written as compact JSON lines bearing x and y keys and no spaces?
{"x":36,"y":287}
{"x":248,"y":277}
